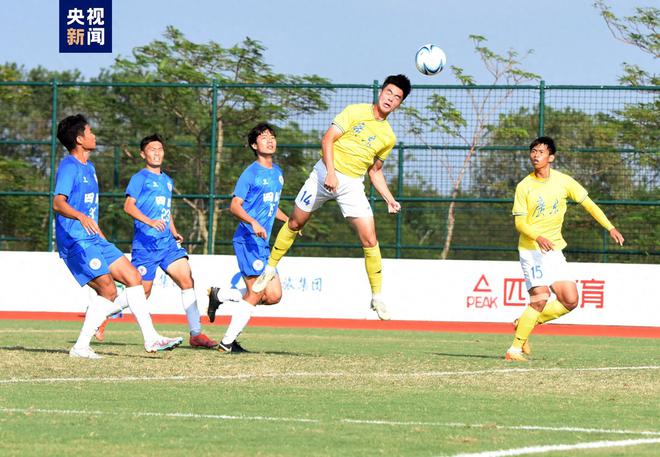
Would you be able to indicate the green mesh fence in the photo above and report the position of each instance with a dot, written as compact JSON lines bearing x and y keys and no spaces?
{"x":460,"y":153}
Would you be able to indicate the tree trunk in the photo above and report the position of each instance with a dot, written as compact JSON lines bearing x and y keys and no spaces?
{"x":219,"y":142}
{"x":451,"y":219}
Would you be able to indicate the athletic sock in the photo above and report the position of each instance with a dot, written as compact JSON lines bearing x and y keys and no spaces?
{"x":552,"y":311}
{"x":192,"y":312}
{"x":238,"y":322}
{"x":374,"y":266}
{"x":284,"y":240}
{"x":526,"y":324}
{"x":137,"y":302}
{"x":121,"y":302}
{"x":99,"y":308}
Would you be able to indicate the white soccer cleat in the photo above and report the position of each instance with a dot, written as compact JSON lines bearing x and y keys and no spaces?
{"x":163,"y":343}
{"x":378,"y":305}
{"x":264,"y":278}
{"x":83,"y":353}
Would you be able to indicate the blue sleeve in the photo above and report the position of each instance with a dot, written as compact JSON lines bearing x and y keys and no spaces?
{"x":135,"y":186}
{"x":242,"y":188}
{"x":65,"y":178}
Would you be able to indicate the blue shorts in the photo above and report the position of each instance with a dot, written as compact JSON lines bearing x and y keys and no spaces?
{"x":147,"y":261}
{"x":251,"y":256}
{"x":93,"y":261}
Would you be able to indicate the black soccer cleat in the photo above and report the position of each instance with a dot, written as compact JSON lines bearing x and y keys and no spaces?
{"x":214,"y":302}
{"x":232,"y":348}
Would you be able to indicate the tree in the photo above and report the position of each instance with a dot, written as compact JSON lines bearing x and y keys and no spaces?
{"x":441,"y":115}
{"x":639,"y":30}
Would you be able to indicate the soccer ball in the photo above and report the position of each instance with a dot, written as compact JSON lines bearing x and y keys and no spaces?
{"x":430,"y":59}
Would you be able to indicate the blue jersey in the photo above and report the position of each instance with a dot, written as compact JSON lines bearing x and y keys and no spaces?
{"x":153,"y":197}
{"x":260,"y":189}
{"x":77,"y":181}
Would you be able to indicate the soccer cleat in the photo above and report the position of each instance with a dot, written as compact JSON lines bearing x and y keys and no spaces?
{"x":163,"y":343}
{"x":214,"y":302}
{"x":202,"y":341}
{"x":514,"y":356}
{"x":231,"y":348}
{"x":526,"y":347}
{"x":83,"y":353}
{"x":264,"y":278}
{"x":100,"y":332}
{"x":378,"y":305}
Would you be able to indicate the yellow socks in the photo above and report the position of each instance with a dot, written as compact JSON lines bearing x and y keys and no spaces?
{"x":374,"y":265}
{"x":526,"y":324}
{"x":284,"y":240}
{"x":552,"y":311}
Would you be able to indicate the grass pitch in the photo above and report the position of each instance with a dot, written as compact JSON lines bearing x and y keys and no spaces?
{"x":311,"y":392}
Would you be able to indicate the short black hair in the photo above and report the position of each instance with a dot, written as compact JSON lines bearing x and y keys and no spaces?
{"x":400,"y":81}
{"x":148,"y":139}
{"x":70,"y":128}
{"x":258,"y":130}
{"x":549,"y":142}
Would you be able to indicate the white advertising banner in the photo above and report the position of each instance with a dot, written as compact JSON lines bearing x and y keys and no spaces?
{"x":314,"y":287}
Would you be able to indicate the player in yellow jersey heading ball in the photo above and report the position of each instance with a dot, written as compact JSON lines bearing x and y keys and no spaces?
{"x":358,"y":142}
{"x":539,"y":207}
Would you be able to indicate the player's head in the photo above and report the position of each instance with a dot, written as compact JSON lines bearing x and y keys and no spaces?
{"x":542,"y":151}
{"x":400,"y":81}
{"x":73,"y":131}
{"x":547,"y":141}
{"x":152,"y":149}
{"x":262,"y":138}
{"x":394,"y":90}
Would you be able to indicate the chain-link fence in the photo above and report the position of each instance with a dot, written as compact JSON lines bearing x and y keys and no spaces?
{"x":461,"y":150}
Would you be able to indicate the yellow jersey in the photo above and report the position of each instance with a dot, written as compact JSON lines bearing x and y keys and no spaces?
{"x":543,"y":203}
{"x":364,"y":138}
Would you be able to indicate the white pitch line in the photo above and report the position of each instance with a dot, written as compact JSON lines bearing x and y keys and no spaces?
{"x":603,"y":431}
{"x":343,"y":421}
{"x":428,"y":374}
{"x":559,"y":447}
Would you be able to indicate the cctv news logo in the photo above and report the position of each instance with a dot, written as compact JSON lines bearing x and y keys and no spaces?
{"x":85,"y":26}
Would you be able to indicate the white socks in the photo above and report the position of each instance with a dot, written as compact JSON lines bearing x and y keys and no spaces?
{"x":192,"y":312}
{"x":99,"y":308}
{"x":238,"y":322}
{"x":137,"y":302}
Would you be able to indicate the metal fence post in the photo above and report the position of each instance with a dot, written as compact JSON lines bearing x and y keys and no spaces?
{"x":542,"y":108}
{"x":214,"y":128}
{"x":399,"y":194}
{"x":53,"y":155}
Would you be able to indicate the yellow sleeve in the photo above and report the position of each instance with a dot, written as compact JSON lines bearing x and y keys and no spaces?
{"x":519,"y":202}
{"x":576,"y":192}
{"x":343,"y":119}
{"x":523,"y":227}
{"x":597,"y":213}
{"x":382,"y":155}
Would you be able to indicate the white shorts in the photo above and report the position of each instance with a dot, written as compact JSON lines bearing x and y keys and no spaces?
{"x":544,"y":268}
{"x":349,"y":194}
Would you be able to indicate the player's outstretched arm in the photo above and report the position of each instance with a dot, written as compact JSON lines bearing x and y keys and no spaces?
{"x":327,"y":146}
{"x":600,"y":217}
{"x":380,"y":183}
{"x":132,"y":210}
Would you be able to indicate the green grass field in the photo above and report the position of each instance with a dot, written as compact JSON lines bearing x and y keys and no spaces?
{"x":325,"y":393}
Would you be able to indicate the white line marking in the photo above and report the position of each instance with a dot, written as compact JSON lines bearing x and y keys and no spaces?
{"x":344,"y":421}
{"x":505,"y":427}
{"x":559,"y":447}
{"x":429,"y":374}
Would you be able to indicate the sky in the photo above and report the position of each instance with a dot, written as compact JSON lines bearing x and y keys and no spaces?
{"x":351,"y":41}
